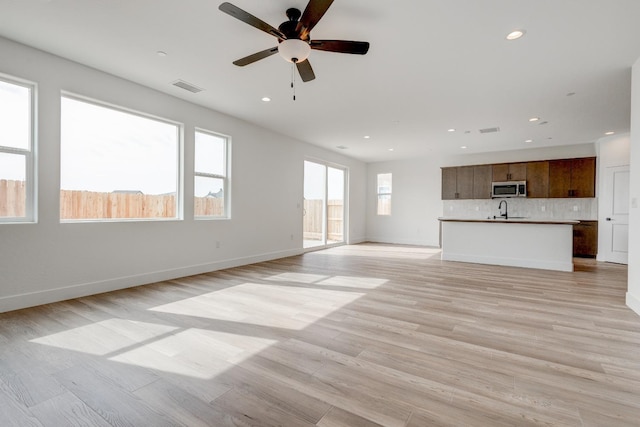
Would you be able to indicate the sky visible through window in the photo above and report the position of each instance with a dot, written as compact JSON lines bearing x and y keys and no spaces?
{"x":14,"y":129}
{"x":106,"y":150}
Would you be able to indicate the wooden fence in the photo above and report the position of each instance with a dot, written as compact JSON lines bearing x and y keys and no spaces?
{"x":96,"y":205}
{"x":12,"y":198}
{"x":313,"y":213}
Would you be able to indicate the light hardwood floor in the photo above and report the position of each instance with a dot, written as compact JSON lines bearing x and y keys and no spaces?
{"x":352,"y":336}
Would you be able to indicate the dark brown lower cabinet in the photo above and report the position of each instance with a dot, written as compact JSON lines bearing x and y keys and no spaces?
{"x":585,"y":239}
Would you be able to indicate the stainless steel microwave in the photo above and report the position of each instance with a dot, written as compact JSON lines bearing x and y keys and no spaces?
{"x":509,"y":189}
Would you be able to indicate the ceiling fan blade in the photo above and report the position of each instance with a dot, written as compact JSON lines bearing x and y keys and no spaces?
{"x":305,"y":70}
{"x":248,"y":18}
{"x":255,"y":57}
{"x":313,"y":12}
{"x":341,"y":46}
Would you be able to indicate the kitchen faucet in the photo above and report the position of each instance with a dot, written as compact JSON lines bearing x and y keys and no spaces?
{"x":504,"y":215}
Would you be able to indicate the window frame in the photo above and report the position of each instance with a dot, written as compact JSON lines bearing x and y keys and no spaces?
{"x":386,"y":193}
{"x":226,"y":187}
{"x":179,"y":197}
{"x":29,"y":153}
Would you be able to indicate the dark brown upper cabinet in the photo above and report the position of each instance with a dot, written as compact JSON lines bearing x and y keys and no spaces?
{"x":538,"y":179}
{"x":572,"y":177}
{"x":457,"y":183}
{"x":509,"y":172}
{"x":482,"y":182}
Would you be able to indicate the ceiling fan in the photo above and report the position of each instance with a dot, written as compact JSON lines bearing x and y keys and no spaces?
{"x":294,"y":36}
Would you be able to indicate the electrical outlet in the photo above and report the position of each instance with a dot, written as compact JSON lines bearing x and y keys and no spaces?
{"x":217,"y":244}
{"x":575,"y":208}
{"x":292,"y":237}
{"x":543,"y":208}
{"x":477,"y":208}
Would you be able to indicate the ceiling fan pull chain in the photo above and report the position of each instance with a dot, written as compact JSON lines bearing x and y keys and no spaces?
{"x":293,"y":78}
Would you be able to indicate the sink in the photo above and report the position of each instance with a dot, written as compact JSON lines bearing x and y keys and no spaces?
{"x":510,"y":217}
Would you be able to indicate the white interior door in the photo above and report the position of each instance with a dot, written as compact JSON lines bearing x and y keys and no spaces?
{"x":615,"y":227}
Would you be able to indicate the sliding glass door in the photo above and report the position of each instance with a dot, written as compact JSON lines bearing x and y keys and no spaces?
{"x":324,"y":205}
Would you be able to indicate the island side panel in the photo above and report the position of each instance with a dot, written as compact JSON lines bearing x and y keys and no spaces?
{"x":531,"y":245}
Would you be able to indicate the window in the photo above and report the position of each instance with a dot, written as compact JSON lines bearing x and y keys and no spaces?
{"x":384,"y":194}
{"x":211,"y":186}
{"x":17,"y":181}
{"x":116,"y":164}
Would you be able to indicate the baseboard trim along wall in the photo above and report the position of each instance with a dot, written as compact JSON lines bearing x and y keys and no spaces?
{"x":413,"y":242}
{"x":32,"y":299}
{"x":633,"y":303}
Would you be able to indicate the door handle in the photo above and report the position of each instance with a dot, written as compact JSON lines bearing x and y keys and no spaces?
{"x":609,"y":219}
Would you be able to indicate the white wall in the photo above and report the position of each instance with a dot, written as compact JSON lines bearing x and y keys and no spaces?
{"x":633,"y":293}
{"x":416,"y":199}
{"x":415,"y":203}
{"x":50,"y":261}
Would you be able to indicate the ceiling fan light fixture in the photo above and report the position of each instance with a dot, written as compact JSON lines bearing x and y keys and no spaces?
{"x":294,"y":50}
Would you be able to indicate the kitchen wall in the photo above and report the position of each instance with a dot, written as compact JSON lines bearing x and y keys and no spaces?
{"x":49,"y":261}
{"x":580,"y":209}
{"x":417,"y":204}
{"x":633,"y":293}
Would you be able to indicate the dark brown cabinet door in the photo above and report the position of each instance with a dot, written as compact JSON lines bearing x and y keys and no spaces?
{"x":500,"y":173}
{"x":465,"y":182}
{"x":509,"y":172}
{"x":457,"y":183}
{"x":559,"y":178}
{"x":538,"y":179}
{"x":583,"y":177}
{"x":482,"y":182}
{"x":585,"y":239}
{"x":449,"y":183}
{"x":572,"y":177}
{"x":517,"y":171}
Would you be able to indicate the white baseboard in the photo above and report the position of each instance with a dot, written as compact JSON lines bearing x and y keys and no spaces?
{"x":414,"y":242}
{"x":32,"y":299}
{"x":633,"y":303}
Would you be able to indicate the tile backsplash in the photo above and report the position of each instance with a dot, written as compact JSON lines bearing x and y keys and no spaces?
{"x":573,"y":209}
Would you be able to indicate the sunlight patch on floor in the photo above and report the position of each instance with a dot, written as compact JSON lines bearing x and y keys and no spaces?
{"x":105,"y":337}
{"x":265,"y":305}
{"x":383,"y":251}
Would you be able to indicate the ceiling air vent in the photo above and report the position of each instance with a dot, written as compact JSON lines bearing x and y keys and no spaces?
{"x":187,"y":86}
{"x":490,"y":130}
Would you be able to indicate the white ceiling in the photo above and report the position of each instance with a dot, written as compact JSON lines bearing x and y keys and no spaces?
{"x":432,"y":65}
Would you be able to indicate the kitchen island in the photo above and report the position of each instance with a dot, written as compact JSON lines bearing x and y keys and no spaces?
{"x":544,"y":244}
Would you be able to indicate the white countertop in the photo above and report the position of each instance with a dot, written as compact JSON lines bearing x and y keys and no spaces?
{"x":512,"y":220}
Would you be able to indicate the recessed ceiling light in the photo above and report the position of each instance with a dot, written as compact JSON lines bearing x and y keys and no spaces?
{"x":534,"y":119}
{"x":390,"y":149}
{"x":266,"y":99}
{"x":515,"y":34}
{"x":367,"y":137}
{"x":464,"y":147}
{"x":529,"y":140}
{"x":609,"y":133}
{"x":161,"y":53}
{"x":451,"y":130}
